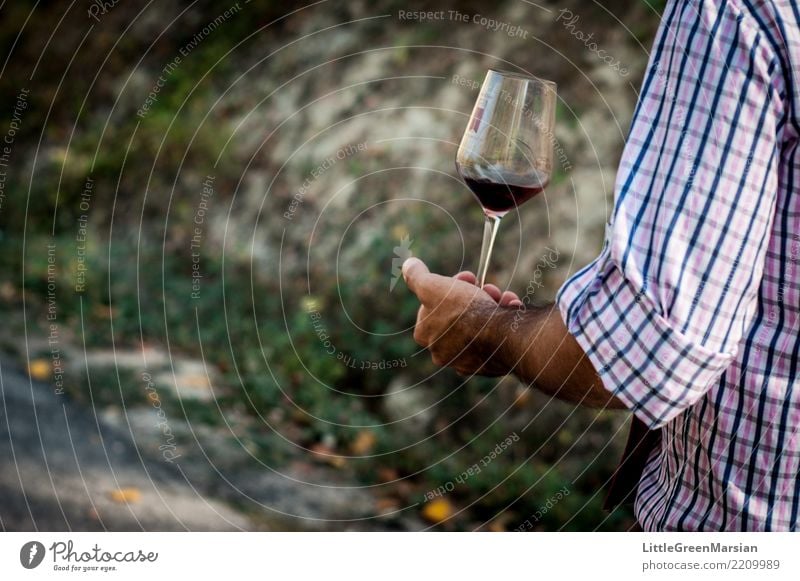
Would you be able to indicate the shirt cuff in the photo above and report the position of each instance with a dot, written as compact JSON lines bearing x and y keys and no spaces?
{"x":654,"y":369}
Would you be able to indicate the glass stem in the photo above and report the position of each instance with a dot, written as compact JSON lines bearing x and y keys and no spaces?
{"x":489,"y":234}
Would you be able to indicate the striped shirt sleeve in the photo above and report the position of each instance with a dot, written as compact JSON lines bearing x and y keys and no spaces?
{"x":662,"y":310}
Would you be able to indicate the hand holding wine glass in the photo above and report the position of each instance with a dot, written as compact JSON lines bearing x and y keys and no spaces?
{"x":506,"y":154}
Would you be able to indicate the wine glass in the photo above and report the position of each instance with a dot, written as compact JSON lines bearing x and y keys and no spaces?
{"x":506,"y":154}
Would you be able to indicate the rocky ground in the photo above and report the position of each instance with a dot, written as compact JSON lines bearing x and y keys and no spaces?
{"x":79,"y":465}
{"x":69,"y":467}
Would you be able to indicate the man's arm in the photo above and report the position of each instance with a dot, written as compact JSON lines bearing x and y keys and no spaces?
{"x":464,"y":328}
{"x":543,"y":353}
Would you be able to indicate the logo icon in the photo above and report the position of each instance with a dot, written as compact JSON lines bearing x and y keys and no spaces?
{"x":401,"y":253}
{"x":31,"y":554}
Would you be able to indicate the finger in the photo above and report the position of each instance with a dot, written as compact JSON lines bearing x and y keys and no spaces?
{"x":431,"y":288}
{"x":466,"y":276}
{"x":515,"y":303}
{"x":414,"y":270}
{"x":507,"y":298}
{"x":492,"y":291}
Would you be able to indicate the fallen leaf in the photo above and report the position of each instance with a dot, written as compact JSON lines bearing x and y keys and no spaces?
{"x":437,"y":510}
{"x":103,"y":311}
{"x":326,"y":454}
{"x":39,"y":369}
{"x":301,"y":417}
{"x":126,"y":495}
{"x":404,"y":488}
{"x":522,"y":398}
{"x":497,"y":527}
{"x":386,"y":504}
{"x":387,"y":474}
{"x":363,"y":443}
{"x":7,"y":291}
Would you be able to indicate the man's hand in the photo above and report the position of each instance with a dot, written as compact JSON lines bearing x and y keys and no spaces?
{"x":454,"y":317}
{"x":472,"y":330}
{"x":502,"y":298}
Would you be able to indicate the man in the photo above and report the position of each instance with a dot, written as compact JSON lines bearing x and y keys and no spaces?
{"x":689,"y":316}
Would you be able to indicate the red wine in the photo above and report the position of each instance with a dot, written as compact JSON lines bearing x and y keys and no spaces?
{"x":500,"y":197}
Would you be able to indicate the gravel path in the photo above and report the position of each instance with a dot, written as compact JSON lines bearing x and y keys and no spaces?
{"x":60,"y":466}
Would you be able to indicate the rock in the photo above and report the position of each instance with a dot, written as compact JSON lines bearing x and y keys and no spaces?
{"x":411,"y":406}
{"x":133,"y":359}
{"x":191,"y":379}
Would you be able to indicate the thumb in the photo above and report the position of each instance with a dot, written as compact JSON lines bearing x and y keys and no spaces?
{"x":414,"y":270}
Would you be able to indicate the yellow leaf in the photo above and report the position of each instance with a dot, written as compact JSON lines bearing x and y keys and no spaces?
{"x":39,"y":369}
{"x":129,"y":495}
{"x":500,"y":524}
{"x":309,"y":303}
{"x":364,"y":443}
{"x":326,"y":454}
{"x":523,"y":396}
{"x":437,"y":510}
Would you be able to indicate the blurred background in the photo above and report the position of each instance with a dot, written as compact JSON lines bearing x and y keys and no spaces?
{"x":203,"y":210}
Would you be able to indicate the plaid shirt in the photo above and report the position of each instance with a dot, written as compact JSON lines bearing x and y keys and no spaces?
{"x":691,"y":312}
